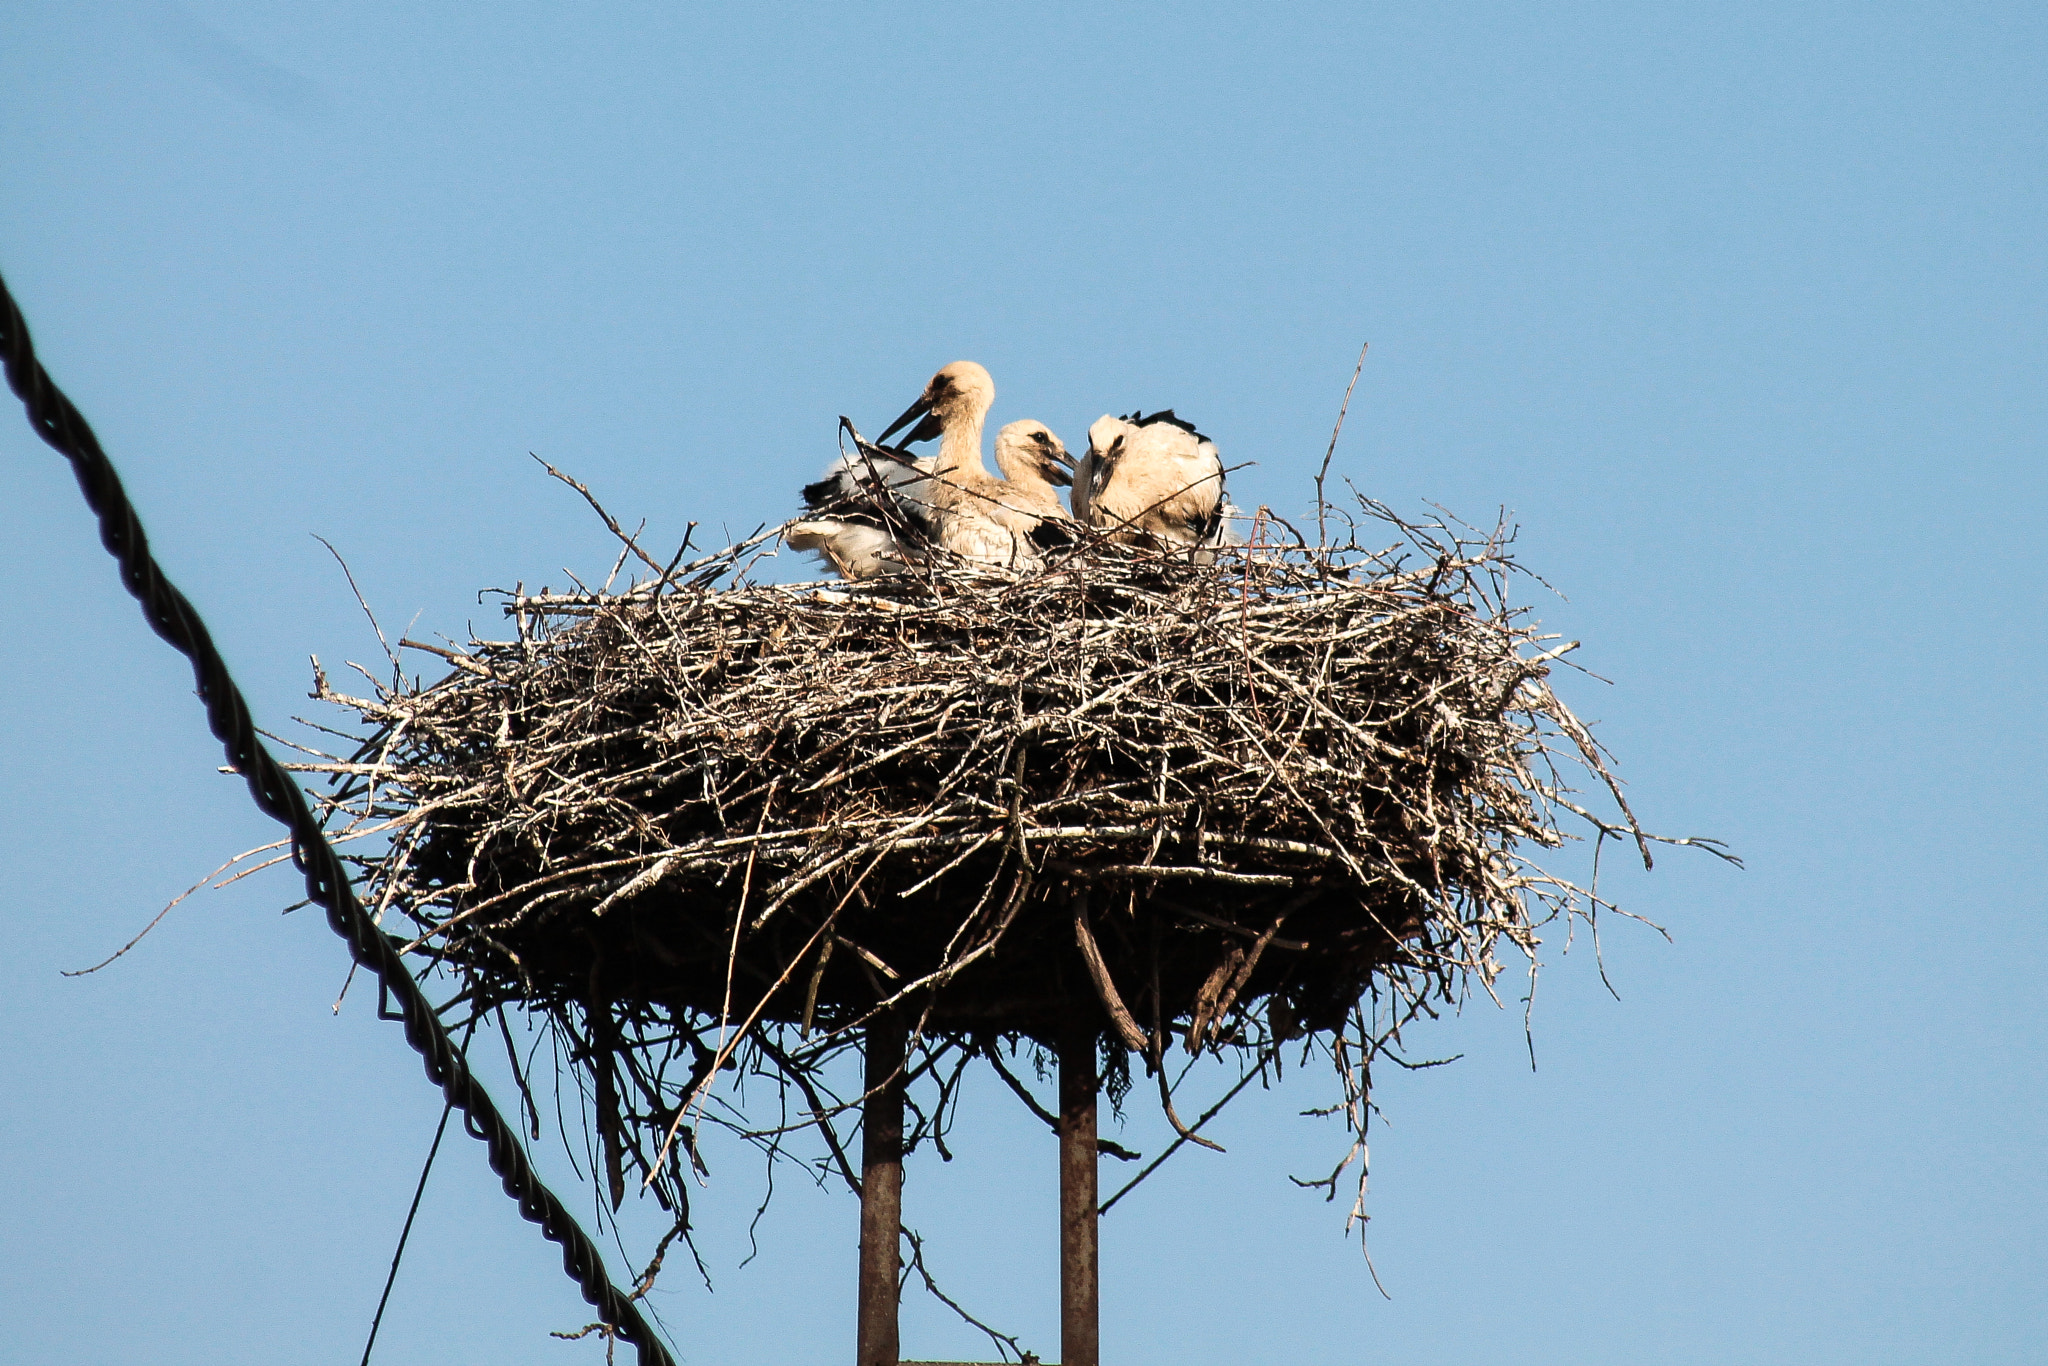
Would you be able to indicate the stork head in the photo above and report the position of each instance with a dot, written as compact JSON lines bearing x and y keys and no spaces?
{"x":1029,"y":447}
{"x":1104,"y":435}
{"x":962,"y":392}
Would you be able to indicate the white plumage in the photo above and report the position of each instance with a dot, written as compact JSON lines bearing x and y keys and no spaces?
{"x":869,"y":521}
{"x":1152,"y":480}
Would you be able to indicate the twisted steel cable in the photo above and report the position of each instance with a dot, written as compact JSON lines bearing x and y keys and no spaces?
{"x":171,"y":616}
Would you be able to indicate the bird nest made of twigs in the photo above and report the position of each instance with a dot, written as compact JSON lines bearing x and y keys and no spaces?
{"x":1214,"y":803}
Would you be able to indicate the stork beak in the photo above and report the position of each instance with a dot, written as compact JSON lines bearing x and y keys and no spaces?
{"x":924,"y":431}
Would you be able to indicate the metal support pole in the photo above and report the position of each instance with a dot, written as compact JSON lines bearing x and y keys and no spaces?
{"x":1080,"y":1284}
{"x":881,"y":1191}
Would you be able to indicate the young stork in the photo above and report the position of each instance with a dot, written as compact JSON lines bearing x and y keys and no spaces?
{"x":1152,"y":480}
{"x":866,"y":515}
{"x":969,"y":511}
{"x":1035,"y":467}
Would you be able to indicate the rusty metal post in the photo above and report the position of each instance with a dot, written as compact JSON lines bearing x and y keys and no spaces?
{"x":1080,"y":1283}
{"x":881,"y":1191}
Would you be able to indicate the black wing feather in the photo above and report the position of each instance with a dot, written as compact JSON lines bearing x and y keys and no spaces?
{"x":1166,"y":415}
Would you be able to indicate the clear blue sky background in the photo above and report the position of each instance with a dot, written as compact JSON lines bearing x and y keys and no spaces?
{"x":1738,"y":307}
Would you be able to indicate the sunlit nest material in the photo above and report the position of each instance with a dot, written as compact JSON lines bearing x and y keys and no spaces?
{"x":1286,"y":796}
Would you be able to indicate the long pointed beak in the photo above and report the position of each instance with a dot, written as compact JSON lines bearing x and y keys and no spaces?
{"x":920,"y":409}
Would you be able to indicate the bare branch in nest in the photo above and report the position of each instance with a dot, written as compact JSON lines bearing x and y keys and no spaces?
{"x":142,"y":933}
{"x":1105,"y":989}
{"x":611,"y":523}
{"x":1323,"y":503}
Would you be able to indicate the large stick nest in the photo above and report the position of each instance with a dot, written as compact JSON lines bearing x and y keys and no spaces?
{"x":1259,"y":780}
{"x":1222,"y":803}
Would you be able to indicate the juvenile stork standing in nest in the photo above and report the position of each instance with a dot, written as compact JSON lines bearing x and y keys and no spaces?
{"x":879,"y":509}
{"x":1152,"y":481}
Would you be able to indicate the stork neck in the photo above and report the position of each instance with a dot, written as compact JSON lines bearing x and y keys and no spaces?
{"x":960,"y":445}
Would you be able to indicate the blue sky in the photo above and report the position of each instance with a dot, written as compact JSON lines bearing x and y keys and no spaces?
{"x":1738,"y":308}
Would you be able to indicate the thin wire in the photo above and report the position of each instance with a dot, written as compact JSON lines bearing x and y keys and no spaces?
{"x":406,"y":1233}
{"x":171,"y":615}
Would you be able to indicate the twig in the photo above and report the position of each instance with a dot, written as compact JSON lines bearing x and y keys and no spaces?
{"x":155,"y":920}
{"x":1322,"y":506}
